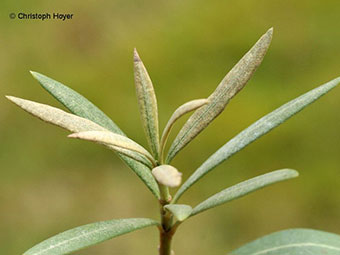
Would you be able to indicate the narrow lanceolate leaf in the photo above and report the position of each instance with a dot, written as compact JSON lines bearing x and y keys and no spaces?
{"x":82,"y":107}
{"x":56,"y":116}
{"x":244,"y":188}
{"x":179,"y":112}
{"x":232,"y":83}
{"x":293,"y":242}
{"x":118,"y":141}
{"x":147,"y":104}
{"x":75,"y":102}
{"x":77,"y":124}
{"x":256,"y":130}
{"x":88,"y":235}
{"x":181,"y":212}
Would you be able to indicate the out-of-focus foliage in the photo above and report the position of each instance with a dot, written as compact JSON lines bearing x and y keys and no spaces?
{"x":187,"y":47}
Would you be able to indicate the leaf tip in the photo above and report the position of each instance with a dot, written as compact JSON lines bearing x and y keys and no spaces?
{"x":268,"y":35}
{"x":291,"y":173}
{"x":136,"y":57}
{"x":13,"y":99}
{"x":270,"y":30}
{"x":74,"y":135}
{"x":35,"y":75}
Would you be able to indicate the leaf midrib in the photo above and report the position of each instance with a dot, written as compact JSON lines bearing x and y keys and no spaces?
{"x":297,"y":245}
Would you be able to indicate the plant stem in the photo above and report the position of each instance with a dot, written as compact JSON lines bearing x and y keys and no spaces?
{"x":165,"y":231}
{"x":165,"y":243}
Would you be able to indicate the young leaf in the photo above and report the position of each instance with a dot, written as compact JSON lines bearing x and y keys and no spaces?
{"x":232,"y":83}
{"x":75,"y":102}
{"x":167,"y":175}
{"x":77,"y":124}
{"x":147,"y":104}
{"x":82,"y":107}
{"x":56,"y":116}
{"x":118,"y":141}
{"x":293,"y":242}
{"x":179,"y":112}
{"x":244,"y":188}
{"x":132,"y":155}
{"x":256,"y":130}
{"x":88,"y":235}
{"x":181,"y":212}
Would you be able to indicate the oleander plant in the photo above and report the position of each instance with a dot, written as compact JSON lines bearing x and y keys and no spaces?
{"x":153,"y":165}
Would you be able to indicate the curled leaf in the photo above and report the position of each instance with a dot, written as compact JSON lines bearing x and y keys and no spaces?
{"x":179,"y":112}
{"x":147,"y":104}
{"x":256,"y":130}
{"x":244,"y":188}
{"x":167,"y":175}
{"x":117,"y":141}
{"x":232,"y":83}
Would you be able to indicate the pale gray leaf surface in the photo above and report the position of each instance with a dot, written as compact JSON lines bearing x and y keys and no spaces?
{"x":147,"y":104}
{"x":243,"y":188}
{"x":109,"y":138}
{"x":77,"y":124}
{"x":82,"y":107}
{"x":181,"y":212}
{"x":232,"y":83}
{"x":256,"y":130}
{"x":179,"y":112}
{"x":88,"y":235}
{"x":75,"y":102}
{"x":293,"y":242}
{"x":56,"y":116}
{"x":132,"y":155}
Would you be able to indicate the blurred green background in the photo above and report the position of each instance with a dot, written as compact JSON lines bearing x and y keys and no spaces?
{"x":49,"y":183}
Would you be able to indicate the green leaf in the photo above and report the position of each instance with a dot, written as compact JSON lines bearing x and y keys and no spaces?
{"x":243,"y":188}
{"x":179,"y":112}
{"x":232,"y":83}
{"x":77,"y":124}
{"x":88,"y":235}
{"x":181,"y":212}
{"x":147,"y":104}
{"x":293,"y":242}
{"x":75,"y":102}
{"x":82,"y":107}
{"x":256,"y":130}
{"x":117,"y":141}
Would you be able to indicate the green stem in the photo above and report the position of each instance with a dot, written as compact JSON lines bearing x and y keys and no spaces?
{"x":166,"y":231}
